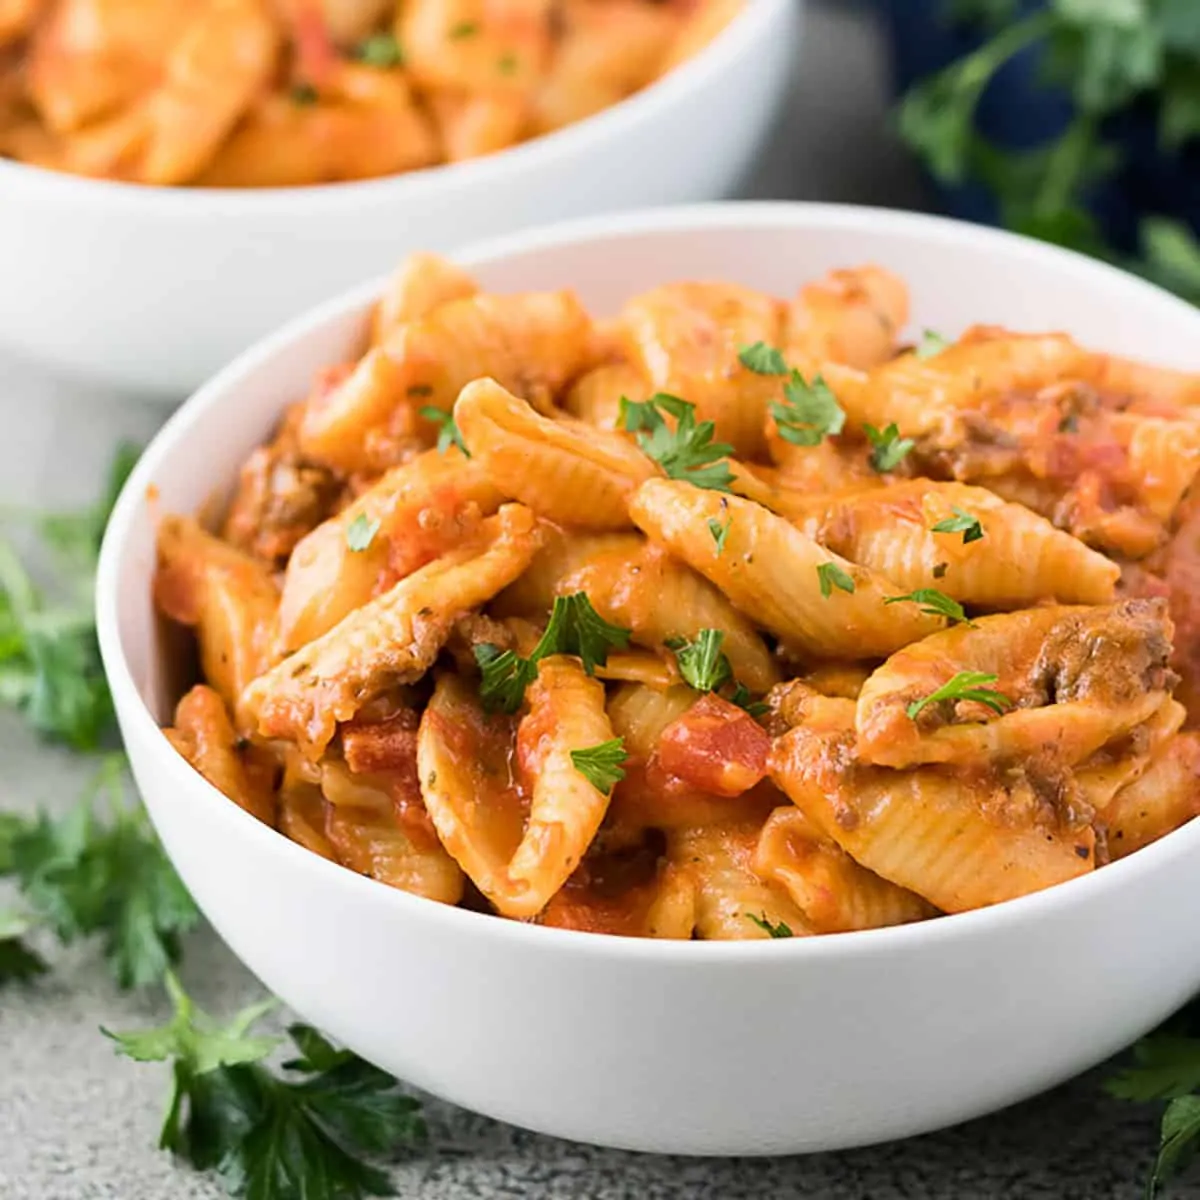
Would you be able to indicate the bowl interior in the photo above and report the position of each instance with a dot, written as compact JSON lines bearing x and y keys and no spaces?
{"x":958,"y":275}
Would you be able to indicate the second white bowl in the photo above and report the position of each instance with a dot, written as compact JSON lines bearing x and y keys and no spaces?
{"x":154,"y":289}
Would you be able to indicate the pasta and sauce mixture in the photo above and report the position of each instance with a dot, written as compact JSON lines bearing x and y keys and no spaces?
{"x":728,"y":617}
{"x":276,"y":93}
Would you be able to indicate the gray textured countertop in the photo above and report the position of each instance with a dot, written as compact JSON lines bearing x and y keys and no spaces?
{"x":77,"y":1124}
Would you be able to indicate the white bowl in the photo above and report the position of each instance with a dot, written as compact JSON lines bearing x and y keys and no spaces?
{"x":154,"y":289}
{"x":687,"y":1047}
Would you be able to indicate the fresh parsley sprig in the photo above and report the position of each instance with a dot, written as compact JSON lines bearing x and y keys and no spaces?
{"x":686,"y":452}
{"x":50,"y":669}
{"x":779,"y":929}
{"x":100,"y":871}
{"x":448,"y":431}
{"x":316,"y":1132}
{"x":809,"y":412}
{"x":935,"y":604}
{"x":1110,"y":58}
{"x":966,"y":685}
{"x":602,"y":765}
{"x":1166,"y":1066}
{"x":888,"y":448}
{"x":574,"y":628}
{"x":18,"y":961}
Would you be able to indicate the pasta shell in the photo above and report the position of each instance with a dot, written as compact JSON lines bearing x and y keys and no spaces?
{"x":771,"y":572}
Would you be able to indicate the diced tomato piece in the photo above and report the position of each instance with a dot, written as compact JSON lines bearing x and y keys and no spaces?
{"x":716,"y":747}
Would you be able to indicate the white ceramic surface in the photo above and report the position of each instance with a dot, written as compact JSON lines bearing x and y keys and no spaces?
{"x":700,"y":1048}
{"x":154,"y":289}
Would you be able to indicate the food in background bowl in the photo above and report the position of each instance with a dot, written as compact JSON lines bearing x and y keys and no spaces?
{"x":166,"y":284}
{"x":670,"y":1045}
{"x":277,"y":93}
{"x":728,"y":617}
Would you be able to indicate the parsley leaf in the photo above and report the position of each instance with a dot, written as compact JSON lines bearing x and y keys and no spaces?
{"x":962,"y":522}
{"x":936,"y":117}
{"x":741,"y":697}
{"x":889,"y":448}
{"x":574,"y":627}
{"x":966,"y":685}
{"x":504,"y":678}
{"x":464,"y":29}
{"x":940,"y":569}
{"x":360,"y":533}
{"x":50,"y":669}
{"x":810,"y":411}
{"x":762,"y":359}
{"x":934,"y":603}
{"x":686,"y":452}
{"x":448,"y":431}
{"x":18,"y":962}
{"x":304,"y":95}
{"x":780,"y":930}
{"x":830,"y":576}
{"x":274,"y":1137}
{"x":701,"y":662}
{"x":84,"y":877}
{"x":930,"y":345}
{"x":601,"y":765}
{"x":1166,"y":1065}
{"x":719,"y":532}
{"x":382,"y":50}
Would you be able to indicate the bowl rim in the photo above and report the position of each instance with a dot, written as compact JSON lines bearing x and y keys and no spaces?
{"x":755,"y":22}
{"x":456,"y":921}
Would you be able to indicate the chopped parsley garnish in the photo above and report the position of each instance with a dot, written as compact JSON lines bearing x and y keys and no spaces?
{"x":382,"y":50}
{"x":830,"y":576}
{"x":304,"y":95}
{"x":507,"y":64}
{"x":719,"y":532}
{"x":930,"y":345}
{"x":888,"y":448}
{"x":701,"y":662}
{"x":741,"y":697}
{"x":809,"y":413}
{"x":966,"y":685}
{"x":602,"y":765}
{"x":934,"y":603}
{"x":448,"y":431}
{"x":322,"y":1130}
{"x":705,"y":667}
{"x":574,"y":628}
{"x":962,"y":522}
{"x":940,"y":569}
{"x":360,"y":533}
{"x":504,"y":677}
{"x":780,"y":930}
{"x":762,"y":359}
{"x":464,"y":29}
{"x":686,"y":452}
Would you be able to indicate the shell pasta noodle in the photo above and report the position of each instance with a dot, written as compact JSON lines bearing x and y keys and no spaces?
{"x":285,"y":93}
{"x":725,"y":616}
